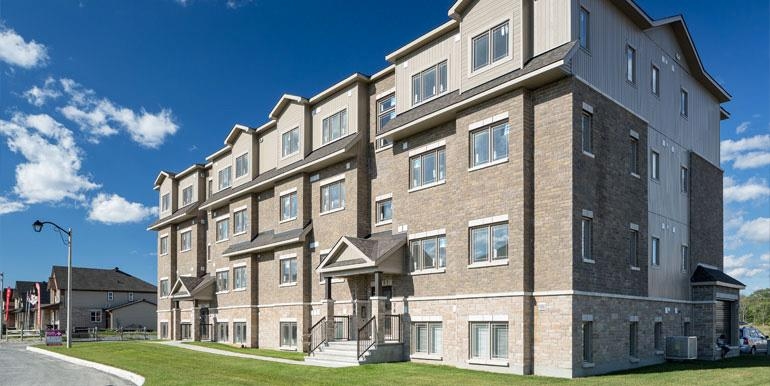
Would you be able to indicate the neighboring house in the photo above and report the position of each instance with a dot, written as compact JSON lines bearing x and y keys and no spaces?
{"x":513,"y":191}
{"x":24,"y":305}
{"x":100,"y":295}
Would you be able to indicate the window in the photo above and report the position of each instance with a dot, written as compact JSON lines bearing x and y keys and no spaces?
{"x":585,"y":27}
{"x":222,"y":333}
{"x":211,"y":188}
{"x":633,"y":156}
{"x":289,"y":270}
{"x":683,"y":102}
{"x":684,"y":179}
{"x":239,"y":221}
{"x":187,"y":195}
{"x":242,"y":165}
{"x":630,"y":64}
{"x":164,"y":245}
{"x":655,"y":251}
{"x":429,"y":253}
{"x":224,"y":178}
{"x":208,"y":252}
{"x":586,"y":123}
{"x":427,"y":338}
{"x":290,"y":142}
{"x":185,"y":243}
{"x":240,"y":332}
{"x":429,"y":83}
{"x":658,"y":336}
{"x":384,"y":210}
{"x":489,"y":144}
{"x":164,"y":330}
{"x":685,"y":254}
{"x":490,"y":46}
{"x":130,"y":296}
{"x":489,"y":341}
{"x":383,"y":143}
{"x":333,"y":196}
{"x":96,"y":316}
{"x":186,"y":331}
{"x":633,"y":340}
{"x":164,"y":288}
{"x":110,"y":296}
{"x":586,"y":239}
{"x":222,"y":278}
{"x":165,"y":202}
{"x":489,"y":243}
{"x":289,"y":206}
{"x":633,"y":248}
{"x":655,"y":80}
{"x":427,"y":168}
{"x":588,"y":349}
{"x":239,"y":276}
{"x":223,"y":229}
{"x":655,"y":167}
{"x":335,"y":126}
{"x":386,"y":110}
{"x":289,"y":334}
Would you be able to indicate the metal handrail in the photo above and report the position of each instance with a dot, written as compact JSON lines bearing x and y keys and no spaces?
{"x":365,"y":343}
{"x":317,"y":334}
{"x":342,"y":327}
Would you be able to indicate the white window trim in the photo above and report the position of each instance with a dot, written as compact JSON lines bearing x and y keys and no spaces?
{"x":183,"y":230}
{"x":488,"y":220}
{"x":235,"y":163}
{"x":332,"y":179}
{"x":287,"y":191}
{"x":287,"y":256}
{"x":426,"y":234}
{"x":488,"y":164}
{"x":238,"y":209}
{"x":383,"y":197}
{"x":221,"y":217}
{"x":427,"y":148}
{"x":428,"y":271}
{"x":634,"y":227}
{"x":426,"y":186}
{"x":488,"y":318}
{"x":299,"y":144}
{"x":484,"y":264}
{"x":385,"y":93}
{"x":347,"y":126}
{"x":492,"y":64}
{"x":222,"y":269}
{"x":287,"y":220}
{"x":384,"y":222}
{"x":379,"y":149}
{"x":332,"y":211}
{"x":418,"y":72}
{"x":488,"y":121}
{"x":238,"y":265}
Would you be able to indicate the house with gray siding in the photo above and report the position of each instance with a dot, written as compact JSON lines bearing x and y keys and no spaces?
{"x":532,"y":187}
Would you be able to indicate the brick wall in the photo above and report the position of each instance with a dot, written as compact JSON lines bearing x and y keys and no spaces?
{"x":706,"y":213}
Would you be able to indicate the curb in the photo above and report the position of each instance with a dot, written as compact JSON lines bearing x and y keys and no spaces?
{"x":120,"y":373}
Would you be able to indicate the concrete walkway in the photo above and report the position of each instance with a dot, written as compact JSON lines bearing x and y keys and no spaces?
{"x":234,"y":354}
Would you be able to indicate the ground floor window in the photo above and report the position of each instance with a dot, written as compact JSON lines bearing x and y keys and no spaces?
{"x":96,"y":316}
{"x":222,"y":332}
{"x":427,"y":338}
{"x":289,"y":334}
{"x":633,"y":340}
{"x":164,"y":330}
{"x":658,"y":330}
{"x":588,"y":349}
{"x":240,"y":332}
{"x":489,"y":340}
{"x":186,"y":331}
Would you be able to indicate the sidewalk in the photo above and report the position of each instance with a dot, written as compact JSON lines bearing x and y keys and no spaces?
{"x":233,"y":354}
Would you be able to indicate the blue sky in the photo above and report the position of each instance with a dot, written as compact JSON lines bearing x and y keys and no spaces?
{"x":97,"y":96}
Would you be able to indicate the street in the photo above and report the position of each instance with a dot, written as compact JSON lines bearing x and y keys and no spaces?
{"x":21,"y":368}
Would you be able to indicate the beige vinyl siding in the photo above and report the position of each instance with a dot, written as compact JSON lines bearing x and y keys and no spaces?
{"x":294,"y":115}
{"x":244,"y":144}
{"x":219,"y":164}
{"x":667,"y":280}
{"x":443,"y":48}
{"x":551,"y":24}
{"x":268,"y":150}
{"x":345,"y":99}
{"x":604,"y":68}
{"x":482,"y":16}
{"x":191,"y":179}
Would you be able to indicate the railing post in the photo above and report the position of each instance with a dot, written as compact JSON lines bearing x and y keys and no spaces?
{"x":378,"y":312}
{"x":328,"y":310}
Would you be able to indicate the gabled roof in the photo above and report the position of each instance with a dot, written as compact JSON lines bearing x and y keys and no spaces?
{"x":96,"y":279}
{"x":24,"y":287}
{"x":189,"y":286}
{"x":285,"y":100}
{"x":354,"y":254}
{"x":711,"y":275}
{"x":422,"y":40}
{"x":268,"y":240}
{"x":219,"y":152}
{"x":129,"y":304}
{"x":181,"y":214}
{"x":355,"y":77}
{"x":162,"y":176}
{"x":235,"y":132}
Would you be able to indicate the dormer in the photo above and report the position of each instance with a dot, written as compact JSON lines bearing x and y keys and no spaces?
{"x":339,"y":111}
{"x":294,"y":129}
{"x":166,"y":186}
{"x":243,"y":142}
{"x":222,"y":170}
{"x":190,"y":185}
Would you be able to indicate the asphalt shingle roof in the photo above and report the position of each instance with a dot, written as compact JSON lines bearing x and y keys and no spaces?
{"x":96,"y":279}
{"x":266,"y":238}
{"x":706,"y":275}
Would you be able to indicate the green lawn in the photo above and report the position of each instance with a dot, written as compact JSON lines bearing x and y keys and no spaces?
{"x":295,"y":356}
{"x":165,"y":365}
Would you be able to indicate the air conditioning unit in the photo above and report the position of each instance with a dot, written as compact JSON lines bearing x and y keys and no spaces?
{"x":681,"y":347}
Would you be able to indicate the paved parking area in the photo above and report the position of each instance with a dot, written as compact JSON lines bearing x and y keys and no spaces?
{"x":20,"y":367}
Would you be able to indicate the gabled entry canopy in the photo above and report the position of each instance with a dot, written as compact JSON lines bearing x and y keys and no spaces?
{"x":193,"y":288}
{"x":380,"y":252}
{"x":709,"y":275}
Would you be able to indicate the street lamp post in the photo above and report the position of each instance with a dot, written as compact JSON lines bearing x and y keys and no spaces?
{"x":38,"y":226}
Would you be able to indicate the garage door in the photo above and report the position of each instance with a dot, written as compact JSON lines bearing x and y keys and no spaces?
{"x":723,"y":317}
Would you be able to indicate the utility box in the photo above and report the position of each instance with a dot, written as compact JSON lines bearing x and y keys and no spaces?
{"x":681,"y":347}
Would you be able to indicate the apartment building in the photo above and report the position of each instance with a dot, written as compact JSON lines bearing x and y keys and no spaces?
{"x":532,"y":187}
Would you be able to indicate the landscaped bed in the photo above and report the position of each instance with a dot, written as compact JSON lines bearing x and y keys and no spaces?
{"x":167,"y":365}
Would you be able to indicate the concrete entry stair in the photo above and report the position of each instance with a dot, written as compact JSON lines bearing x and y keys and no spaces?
{"x":345,"y":354}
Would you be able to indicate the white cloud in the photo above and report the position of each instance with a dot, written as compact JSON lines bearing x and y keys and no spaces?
{"x":742,"y":127}
{"x":757,"y":230}
{"x":114,"y":209}
{"x":747,"y":153}
{"x":752,"y":160}
{"x":51,"y":172}
{"x":743,"y":272}
{"x":16,"y":52}
{"x":8,"y":206}
{"x":765,"y":257}
{"x":731,"y":261}
{"x":39,"y":95}
{"x":750,"y":190}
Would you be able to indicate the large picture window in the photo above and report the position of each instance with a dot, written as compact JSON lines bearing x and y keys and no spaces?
{"x":427,"y":168}
{"x":489,"y":144}
{"x":489,"y":243}
{"x":489,"y":341}
{"x":428,"y":253}
{"x":290,"y":142}
{"x":335,"y":126}
{"x":429,"y":83}
{"x":490,"y":46}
